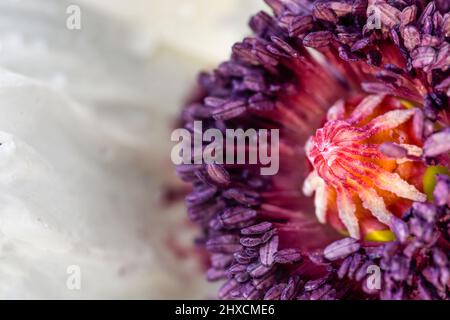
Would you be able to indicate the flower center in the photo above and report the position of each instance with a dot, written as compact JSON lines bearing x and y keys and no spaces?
{"x":364,"y":165}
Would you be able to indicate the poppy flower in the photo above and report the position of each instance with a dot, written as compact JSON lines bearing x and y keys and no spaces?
{"x":359,"y":93}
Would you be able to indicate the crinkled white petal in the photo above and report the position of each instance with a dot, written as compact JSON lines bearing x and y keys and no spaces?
{"x":84,"y":116}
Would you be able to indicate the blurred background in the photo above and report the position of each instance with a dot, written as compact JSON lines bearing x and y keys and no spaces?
{"x":86,"y":114}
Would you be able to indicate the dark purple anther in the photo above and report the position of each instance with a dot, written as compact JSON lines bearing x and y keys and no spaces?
{"x":425,"y":211}
{"x":251,"y":242}
{"x":438,"y":143}
{"x":235,"y":216}
{"x":343,"y":269}
{"x":312,"y":285}
{"x":291,"y":289}
{"x":393,"y":150}
{"x":441,"y":191}
{"x":341,"y":249}
{"x":268,"y":250}
{"x":230,"y":110}
{"x":318,"y":39}
{"x":218,"y":174}
{"x":257,"y":229}
{"x":274,"y":293}
{"x":258,"y":270}
{"x":400,"y":229}
{"x":287,"y":256}
{"x":224,"y":244}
